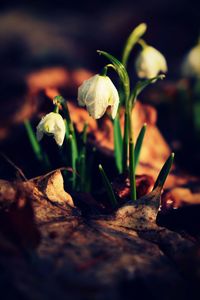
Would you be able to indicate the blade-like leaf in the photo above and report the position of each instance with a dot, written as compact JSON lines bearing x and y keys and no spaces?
{"x":164,"y":172}
{"x":81,"y":162}
{"x":136,"y":34}
{"x":138,"y":145}
{"x":41,"y":156}
{"x":71,"y":160}
{"x":33,"y":140}
{"x":118,"y":143}
{"x":108,"y":187}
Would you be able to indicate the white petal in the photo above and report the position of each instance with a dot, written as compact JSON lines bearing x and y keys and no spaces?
{"x":83,"y":89}
{"x":97,"y":97}
{"x":59,"y":130}
{"x":97,"y":93}
{"x":114,"y":98}
{"x":59,"y":136}
{"x":150,"y":63}
{"x":54,"y":124}
{"x":39,"y":134}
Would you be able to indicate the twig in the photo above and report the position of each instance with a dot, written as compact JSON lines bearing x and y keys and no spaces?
{"x":21,"y":173}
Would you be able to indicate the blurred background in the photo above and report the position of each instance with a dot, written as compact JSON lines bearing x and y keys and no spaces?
{"x":41,"y":34}
{"x":70,"y":31}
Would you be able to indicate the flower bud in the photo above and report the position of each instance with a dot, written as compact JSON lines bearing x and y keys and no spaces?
{"x":97,"y":93}
{"x":191,"y":64}
{"x":52,"y":124}
{"x":150,"y":62}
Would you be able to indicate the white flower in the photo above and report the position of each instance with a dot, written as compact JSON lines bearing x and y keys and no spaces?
{"x":97,"y":93}
{"x":52,"y":124}
{"x":150,"y":62}
{"x":191,"y":64}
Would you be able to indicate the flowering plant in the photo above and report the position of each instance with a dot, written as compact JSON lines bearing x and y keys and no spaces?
{"x":97,"y":94}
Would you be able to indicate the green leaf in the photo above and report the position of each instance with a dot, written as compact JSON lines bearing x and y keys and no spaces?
{"x":118,"y":143}
{"x":138,"y":145}
{"x":133,"y":190}
{"x":108,"y":187}
{"x":121,"y":71}
{"x":81,"y":162}
{"x":164,"y":172}
{"x":71,"y":160}
{"x":125,"y":143}
{"x":37,"y":149}
{"x":33,"y":140}
{"x":133,"y":38}
{"x":141,"y":85}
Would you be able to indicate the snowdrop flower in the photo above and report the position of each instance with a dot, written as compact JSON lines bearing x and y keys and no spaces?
{"x":150,"y":62}
{"x":52,"y":124}
{"x":191,"y":64}
{"x":97,"y":93}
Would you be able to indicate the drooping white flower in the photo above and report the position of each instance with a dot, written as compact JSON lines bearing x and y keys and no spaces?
{"x":191,"y":64}
{"x":97,"y":93}
{"x":150,"y":62}
{"x":52,"y":124}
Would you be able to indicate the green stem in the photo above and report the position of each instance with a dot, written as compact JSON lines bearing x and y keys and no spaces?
{"x":118,"y":143}
{"x":71,"y":161}
{"x":56,"y":109}
{"x":82,"y":162}
{"x":132,"y":158}
{"x":125,"y":142}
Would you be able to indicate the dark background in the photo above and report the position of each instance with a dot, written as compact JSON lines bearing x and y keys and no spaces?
{"x":57,"y":32}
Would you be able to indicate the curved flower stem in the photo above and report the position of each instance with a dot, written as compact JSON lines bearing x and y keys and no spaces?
{"x":56,"y":109}
{"x":105,"y":69}
{"x":142,"y":43}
